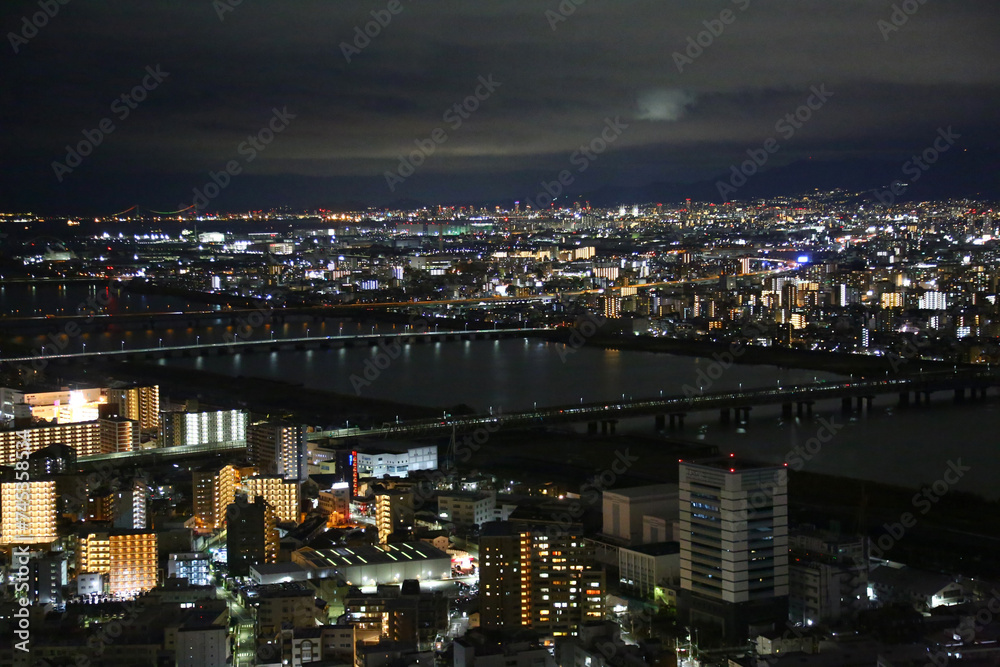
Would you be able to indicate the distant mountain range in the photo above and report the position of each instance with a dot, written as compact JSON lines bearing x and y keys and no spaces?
{"x":964,"y":174}
{"x":953,"y":176}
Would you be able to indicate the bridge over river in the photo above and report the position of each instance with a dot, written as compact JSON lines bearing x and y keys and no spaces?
{"x":855,"y":395}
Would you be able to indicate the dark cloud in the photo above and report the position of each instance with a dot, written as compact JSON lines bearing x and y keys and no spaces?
{"x":607,"y":59}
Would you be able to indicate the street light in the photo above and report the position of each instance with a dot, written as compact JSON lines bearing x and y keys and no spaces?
{"x":161,"y":342}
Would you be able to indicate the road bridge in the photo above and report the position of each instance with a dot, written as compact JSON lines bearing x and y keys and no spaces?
{"x":250,"y":345}
{"x":971,"y":384}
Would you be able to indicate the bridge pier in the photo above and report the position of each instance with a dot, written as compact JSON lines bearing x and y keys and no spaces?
{"x":661,"y":421}
{"x":845,"y":406}
{"x":786,"y":410}
{"x":591,"y":428}
{"x":904,"y":399}
{"x":960,"y":394}
{"x":724,"y":415}
{"x":868,"y":403}
{"x":608,"y":426}
{"x":677,"y":421}
{"x":743,"y":415}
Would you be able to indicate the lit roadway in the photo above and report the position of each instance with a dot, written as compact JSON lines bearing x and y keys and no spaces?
{"x":245,"y":650}
{"x":979,"y":379}
{"x":270,"y":342}
{"x":615,"y":409}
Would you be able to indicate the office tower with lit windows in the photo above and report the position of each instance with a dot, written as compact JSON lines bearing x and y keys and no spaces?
{"x":251,"y":534}
{"x":29,"y":512}
{"x":127,"y":558}
{"x":282,"y":495}
{"x":538,"y":576}
{"x":278,"y":448}
{"x":214,"y":491}
{"x":734,"y":546}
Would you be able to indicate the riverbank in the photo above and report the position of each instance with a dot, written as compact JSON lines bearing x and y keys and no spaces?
{"x":814,"y":360}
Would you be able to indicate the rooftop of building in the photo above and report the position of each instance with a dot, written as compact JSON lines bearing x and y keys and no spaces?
{"x":340,"y":557}
{"x":466,"y":495}
{"x":275,"y":569}
{"x":643,"y":492}
{"x":922,"y":582}
{"x":656,"y":548}
{"x":390,"y":447}
{"x":732,"y":464}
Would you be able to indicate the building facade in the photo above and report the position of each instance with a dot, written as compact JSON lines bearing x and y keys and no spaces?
{"x":734,"y":546}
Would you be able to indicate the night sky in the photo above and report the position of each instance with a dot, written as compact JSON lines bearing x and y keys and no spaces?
{"x":563,"y":79}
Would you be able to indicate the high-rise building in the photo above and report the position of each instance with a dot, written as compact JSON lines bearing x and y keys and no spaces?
{"x":47,"y":577}
{"x":195,"y":428}
{"x":278,"y":448}
{"x":540,"y":577}
{"x":83,"y":437}
{"x":28,"y":511}
{"x":283,"y":496}
{"x":51,"y":460}
{"x":127,"y":557}
{"x":192,"y":566}
{"x":118,"y":434}
{"x":734,"y":546}
{"x":214,"y":491}
{"x":140,"y":404}
{"x":393,"y":510}
{"x":251,"y":535}
{"x":129,"y":505}
{"x":611,"y":306}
